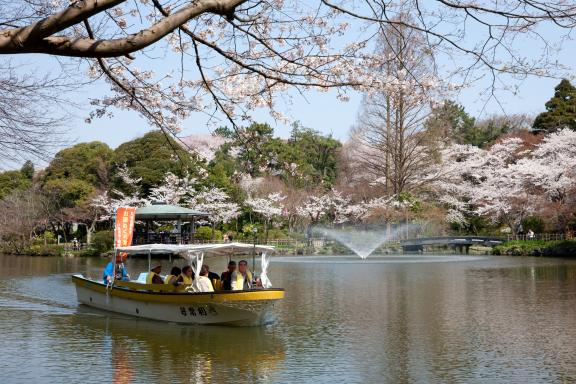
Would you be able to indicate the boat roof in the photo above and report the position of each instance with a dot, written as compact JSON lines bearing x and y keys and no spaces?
{"x":209,"y":249}
{"x":166,"y":212}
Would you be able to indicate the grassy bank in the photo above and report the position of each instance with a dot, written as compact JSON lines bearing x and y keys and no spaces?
{"x":48,"y":250}
{"x":565,"y":248}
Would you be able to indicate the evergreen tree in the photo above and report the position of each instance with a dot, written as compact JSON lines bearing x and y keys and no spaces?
{"x":149,"y":158}
{"x":27,"y":170}
{"x":560,"y":110}
{"x":449,"y":121}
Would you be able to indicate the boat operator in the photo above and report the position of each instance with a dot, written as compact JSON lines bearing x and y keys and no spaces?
{"x":121,"y":273}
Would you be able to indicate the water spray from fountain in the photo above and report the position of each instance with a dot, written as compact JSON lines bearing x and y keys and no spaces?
{"x":363,"y":242}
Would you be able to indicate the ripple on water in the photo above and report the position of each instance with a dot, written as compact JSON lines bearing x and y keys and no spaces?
{"x":46,"y":294}
{"x":384,"y":319}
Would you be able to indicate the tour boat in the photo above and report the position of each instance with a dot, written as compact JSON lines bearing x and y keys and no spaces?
{"x":182,"y":304}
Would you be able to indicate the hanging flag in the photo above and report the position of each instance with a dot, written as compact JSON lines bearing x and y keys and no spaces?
{"x":125,"y":217}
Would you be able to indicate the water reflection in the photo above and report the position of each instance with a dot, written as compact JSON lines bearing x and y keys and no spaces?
{"x":180,"y":353}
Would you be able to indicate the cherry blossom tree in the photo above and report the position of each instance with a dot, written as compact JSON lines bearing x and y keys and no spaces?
{"x":214,"y":201}
{"x":205,"y":146}
{"x":174,"y":189}
{"x":245,"y":53}
{"x":484,"y":182}
{"x":551,"y":169}
{"x":106,"y":202}
{"x":268,"y":207}
{"x":510,"y":180}
{"x":315,"y":208}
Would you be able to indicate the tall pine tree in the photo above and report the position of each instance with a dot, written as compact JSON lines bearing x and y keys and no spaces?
{"x":560,"y":110}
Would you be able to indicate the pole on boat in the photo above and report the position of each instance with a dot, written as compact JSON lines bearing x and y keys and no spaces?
{"x":254,"y":232}
{"x":149,"y":260}
{"x":110,"y":284}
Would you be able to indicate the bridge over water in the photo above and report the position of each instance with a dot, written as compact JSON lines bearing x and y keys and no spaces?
{"x":461,"y":243}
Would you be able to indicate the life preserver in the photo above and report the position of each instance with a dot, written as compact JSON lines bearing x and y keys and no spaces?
{"x":168,"y":278}
{"x":186,"y":279}
{"x":240,"y":280}
{"x":150,"y":277}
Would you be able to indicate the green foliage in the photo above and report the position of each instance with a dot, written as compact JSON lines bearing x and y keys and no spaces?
{"x":535,"y":223}
{"x":249,"y":231}
{"x":277,"y":234}
{"x":44,"y":250}
{"x":477,"y":225}
{"x":536,"y":248}
{"x":205,"y":233}
{"x":68,"y":192}
{"x":560,"y":110}
{"x":306,"y":159}
{"x":88,"y":162}
{"x":315,"y":154}
{"x":46,"y":238}
{"x":253,"y":144}
{"x":150,"y":157}
{"x":11,"y":181}
{"x":451,"y":121}
{"x":103,"y":241}
{"x":27,"y":170}
{"x":414,"y":205}
{"x":481,"y":135}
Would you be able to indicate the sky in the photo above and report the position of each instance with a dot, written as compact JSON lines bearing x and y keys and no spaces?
{"x":324,"y":112}
{"x":320,"y":111}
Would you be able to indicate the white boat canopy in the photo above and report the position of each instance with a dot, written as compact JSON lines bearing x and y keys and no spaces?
{"x":227,"y":249}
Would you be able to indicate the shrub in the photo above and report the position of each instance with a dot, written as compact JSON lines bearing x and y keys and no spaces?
{"x":103,"y":241}
{"x":44,"y":250}
{"x":46,"y":238}
{"x":534,"y":223}
{"x":275,"y":234}
{"x":205,"y":233}
{"x":536,"y":248}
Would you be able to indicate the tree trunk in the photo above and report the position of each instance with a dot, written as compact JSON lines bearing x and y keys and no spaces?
{"x":89,"y":231}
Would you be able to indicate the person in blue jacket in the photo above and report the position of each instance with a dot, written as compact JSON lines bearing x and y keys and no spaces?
{"x":121,"y":273}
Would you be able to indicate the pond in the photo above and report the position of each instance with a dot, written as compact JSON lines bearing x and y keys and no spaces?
{"x":388,"y":319}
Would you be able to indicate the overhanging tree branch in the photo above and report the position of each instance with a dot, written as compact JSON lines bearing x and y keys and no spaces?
{"x":37,"y":38}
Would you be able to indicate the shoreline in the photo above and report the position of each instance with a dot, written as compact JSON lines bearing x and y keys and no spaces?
{"x":538,"y":248}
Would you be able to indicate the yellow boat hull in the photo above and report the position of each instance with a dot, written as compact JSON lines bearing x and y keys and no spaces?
{"x":249,"y":308}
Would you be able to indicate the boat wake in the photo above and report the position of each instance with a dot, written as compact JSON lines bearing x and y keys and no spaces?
{"x":38,"y":294}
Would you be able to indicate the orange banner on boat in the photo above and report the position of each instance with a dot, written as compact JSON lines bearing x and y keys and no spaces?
{"x":124,"y":226}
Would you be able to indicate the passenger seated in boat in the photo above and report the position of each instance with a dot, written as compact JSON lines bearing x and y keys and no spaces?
{"x":204,"y":284}
{"x":121,"y":273}
{"x":211,"y":275}
{"x":153,"y":276}
{"x":186,"y":275}
{"x":173,"y":277}
{"x":242,"y":279}
{"x":227,"y":276}
{"x":214,"y":278}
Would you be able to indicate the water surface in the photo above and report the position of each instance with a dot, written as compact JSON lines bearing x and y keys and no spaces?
{"x":393,"y":319}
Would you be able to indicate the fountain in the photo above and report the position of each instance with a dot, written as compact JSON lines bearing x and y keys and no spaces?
{"x":362,"y":242}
